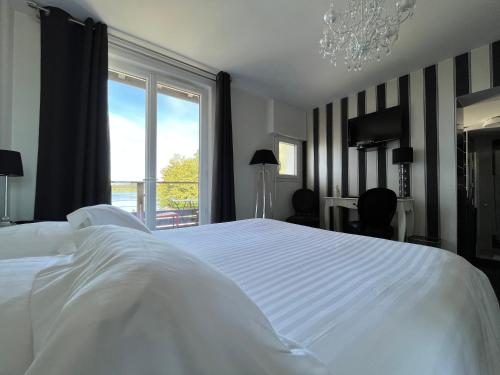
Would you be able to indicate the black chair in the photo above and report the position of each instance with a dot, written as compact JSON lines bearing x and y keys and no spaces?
{"x":306,"y":212}
{"x":376,"y":208}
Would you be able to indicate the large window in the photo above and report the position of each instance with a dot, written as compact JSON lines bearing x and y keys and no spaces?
{"x":156,"y":154}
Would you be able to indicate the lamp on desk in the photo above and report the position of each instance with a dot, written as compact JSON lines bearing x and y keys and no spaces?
{"x":10,"y":166}
{"x":403,"y":156}
{"x":263,"y":157}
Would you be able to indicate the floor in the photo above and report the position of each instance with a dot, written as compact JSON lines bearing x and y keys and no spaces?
{"x":492,"y":270}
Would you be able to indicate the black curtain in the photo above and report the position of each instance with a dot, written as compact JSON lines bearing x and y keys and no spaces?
{"x":223,"y":203}
{"x":73,"y":147}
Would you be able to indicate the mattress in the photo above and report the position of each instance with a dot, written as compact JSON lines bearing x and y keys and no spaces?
{"x":361,"y":305}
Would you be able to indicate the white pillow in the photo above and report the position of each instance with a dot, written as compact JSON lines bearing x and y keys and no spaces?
{"x":37,"y":239}
{"x":104,"y":214}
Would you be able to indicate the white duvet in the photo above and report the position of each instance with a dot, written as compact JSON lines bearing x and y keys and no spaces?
{"x":362,"y":305}
{"x":126,"y":303}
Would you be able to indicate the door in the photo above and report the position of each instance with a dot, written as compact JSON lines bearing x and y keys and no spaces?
{"x":155,"y":127}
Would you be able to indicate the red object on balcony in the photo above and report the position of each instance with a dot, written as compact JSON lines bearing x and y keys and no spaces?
{"x":169,"y":215}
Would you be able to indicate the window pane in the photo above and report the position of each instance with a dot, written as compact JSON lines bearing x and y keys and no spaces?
{"x":177,"y":155}
{"x":127,"y":127}
{"x":288,"y":159}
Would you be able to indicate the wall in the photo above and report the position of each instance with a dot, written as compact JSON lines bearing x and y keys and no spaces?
{"x":25,"y":111}
{"x":253,"y":121}
{"x":286,"y":120}
{"x":6,"y":45}
{"x":289,"y":124}
{"x":250,"y":133}
{"x":20,"y":102}
{"x":430,"y":94}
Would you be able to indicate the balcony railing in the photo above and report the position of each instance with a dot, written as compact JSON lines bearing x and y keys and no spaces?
{"x":176,"y":201}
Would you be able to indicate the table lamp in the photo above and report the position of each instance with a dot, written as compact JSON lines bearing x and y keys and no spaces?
{"x":10,"y":166}
{"x":263,"y":157}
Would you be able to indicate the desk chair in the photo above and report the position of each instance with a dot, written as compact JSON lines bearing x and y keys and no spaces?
{"x":376,"y":208}
{"x":306,"y":213}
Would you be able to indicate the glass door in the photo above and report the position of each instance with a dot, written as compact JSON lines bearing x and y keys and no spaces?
{"x":155,"y":128}
{"x":177,"y":157}
{"x":127,"y":98}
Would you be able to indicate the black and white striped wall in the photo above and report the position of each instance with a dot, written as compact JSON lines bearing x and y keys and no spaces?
{"x":429,"y":96}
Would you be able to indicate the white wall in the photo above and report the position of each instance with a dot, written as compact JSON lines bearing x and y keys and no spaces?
{"x":25,"y":111}
{"x":288,"y":123}
{"x":6,"y":43}
{"x":256,"y":122}
{"x":250,"y":133}
{"x":20,"y":101}
{"x":287,"y":120}
{"x":251,"y":124}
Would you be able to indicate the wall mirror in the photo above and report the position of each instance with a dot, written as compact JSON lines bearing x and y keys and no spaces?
{"x":478,"y":175}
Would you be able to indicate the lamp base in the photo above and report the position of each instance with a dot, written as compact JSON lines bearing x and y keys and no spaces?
{"x":5,"y":222}
{"x":404,"y":188}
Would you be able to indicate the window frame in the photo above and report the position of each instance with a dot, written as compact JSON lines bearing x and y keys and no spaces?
{"x":155,"y":71}
{"x":298,"y":152}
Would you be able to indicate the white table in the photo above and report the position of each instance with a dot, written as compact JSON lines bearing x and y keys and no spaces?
{"x":404,"y":214}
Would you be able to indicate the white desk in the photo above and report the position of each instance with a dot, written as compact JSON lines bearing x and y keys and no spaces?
{"x":404,"y":214}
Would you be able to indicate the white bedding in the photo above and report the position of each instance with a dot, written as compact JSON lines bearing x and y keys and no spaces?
{"x":34,"y":240}
{"x":126,"y":303}
{"x":361,"y":305}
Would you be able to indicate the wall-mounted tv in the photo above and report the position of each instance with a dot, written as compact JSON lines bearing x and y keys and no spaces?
{"x":375,"y":128}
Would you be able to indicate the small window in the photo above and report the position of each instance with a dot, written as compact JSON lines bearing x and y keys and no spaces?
{"x":287,"y":158}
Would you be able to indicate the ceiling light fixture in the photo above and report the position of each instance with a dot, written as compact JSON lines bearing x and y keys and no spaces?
{"x":363,"y":32}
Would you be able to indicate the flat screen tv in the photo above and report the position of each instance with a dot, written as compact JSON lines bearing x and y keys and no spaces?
{"x":375,"y":128}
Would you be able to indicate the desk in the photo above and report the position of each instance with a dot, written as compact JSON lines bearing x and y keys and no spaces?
{"x":403,"y":217}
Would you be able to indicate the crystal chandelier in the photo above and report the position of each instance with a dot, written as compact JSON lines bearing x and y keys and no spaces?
{"x":363,"y":32}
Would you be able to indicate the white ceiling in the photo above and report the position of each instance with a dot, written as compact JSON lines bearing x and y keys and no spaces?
{"x":476,"y":114}
{"x":271,"y":46}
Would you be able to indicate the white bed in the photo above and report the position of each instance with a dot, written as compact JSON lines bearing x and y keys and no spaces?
{"x":360,"y":305}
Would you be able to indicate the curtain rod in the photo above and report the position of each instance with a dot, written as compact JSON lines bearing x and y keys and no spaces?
{"x":40,"y":8}
{"x":151,"y":53}
{"x":165,"y":59}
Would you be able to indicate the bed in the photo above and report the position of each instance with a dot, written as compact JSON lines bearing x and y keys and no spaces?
{"x":359,"y":305}
{"x":362,"y":305}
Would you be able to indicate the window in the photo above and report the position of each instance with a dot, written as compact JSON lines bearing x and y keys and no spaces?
{"x":287,"y":154}
{"x":158,"y":124}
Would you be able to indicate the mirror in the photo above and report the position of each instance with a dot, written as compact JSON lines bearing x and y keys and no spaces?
{"x":478,"y":174}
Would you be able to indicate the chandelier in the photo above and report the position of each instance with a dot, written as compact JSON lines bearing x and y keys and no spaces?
{"x":363,"y":32}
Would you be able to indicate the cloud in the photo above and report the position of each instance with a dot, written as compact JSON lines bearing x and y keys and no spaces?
{"x":177,"y":131}
{"x":128,"y":150}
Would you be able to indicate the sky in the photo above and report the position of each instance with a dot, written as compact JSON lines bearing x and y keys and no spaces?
{"x":177,"y":130}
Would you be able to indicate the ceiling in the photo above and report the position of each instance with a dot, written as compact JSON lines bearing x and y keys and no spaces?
{"x":476,"y":114}
{"x":271,"y":46}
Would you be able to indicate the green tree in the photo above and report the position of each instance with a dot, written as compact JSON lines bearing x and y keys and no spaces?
{"x":180,"y":169}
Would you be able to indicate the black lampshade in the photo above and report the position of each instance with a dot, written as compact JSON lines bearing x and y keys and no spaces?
{"x":263,"y":157}
{"x":402,"y":155}
{"x":10,"y":163}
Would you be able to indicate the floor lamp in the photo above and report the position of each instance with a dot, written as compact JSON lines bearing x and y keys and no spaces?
{"x":10,"y":166}
{"x":263,"y":157}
